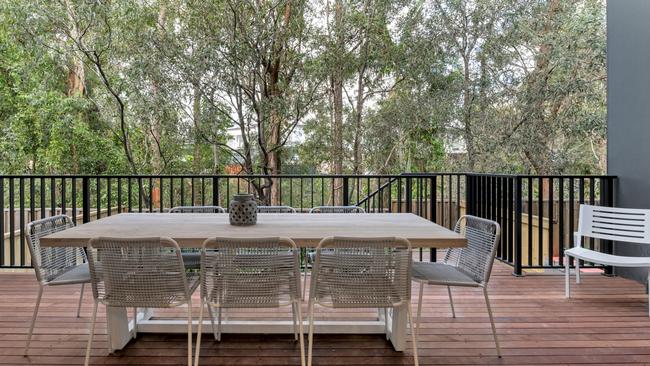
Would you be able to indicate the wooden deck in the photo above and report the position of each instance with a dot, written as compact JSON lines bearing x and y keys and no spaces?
{"x":605,"y":323}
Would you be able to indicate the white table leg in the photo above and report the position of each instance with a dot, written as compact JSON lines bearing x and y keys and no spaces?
{"x":119,"y":327}
{"x":398,"y":321}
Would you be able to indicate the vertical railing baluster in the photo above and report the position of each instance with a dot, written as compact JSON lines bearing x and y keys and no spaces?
{"x":215,"y":191}
{"x":140,"y":193}
{"x":433,"y":207}
{"x":98,"y":200}
{"x":63,"y":196}
{"x":21,"y":196}
{"x":109,"y":192}
{"x":85,"y":199}
{"x":2,"y":221}
{"x":561,"y":223}
{"x":119,"y":194}
{"x":571,"y":215}
{"x":12,"y":223}
{"x":518,"y":222}
{"x":150,"y":194}
{"x":550,"y":221}
{"x":42,"y":196}
{"x":74,"y":199}
{"x":129,"y":198}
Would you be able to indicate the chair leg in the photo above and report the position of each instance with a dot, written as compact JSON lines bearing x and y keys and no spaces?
{"x":294,"y":314}
{"x":135,"y":322}
{"x":198,"y":334}
{"x":494,"y":329}
{"x":304,"y":284}
{"x":189,"y":334}
{"x":386,"y":323}
{"x":81,"y":297}
{"x":301,"y":334}
{"x":419,"y":317}
{"x":310,"y":339}
{"x":451,"y":302}
{"x":31,"y":326}
{"x":219,"y":324}
{"x":214,"y":329}
{"x":577,"y":261}
{"x":92,"y":333}
{"x":413,"y":334}
{"x":567,"y":284}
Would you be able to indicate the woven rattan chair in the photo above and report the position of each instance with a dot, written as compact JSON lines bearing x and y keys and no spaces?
{"x":337,"y":209}
{"x":361,"y":273}
{"x":139,"y":273}
{"x":468,"y":267}
{"x":54,"y":266}
{"x":275,"y":209}
{"x":197,"y":209}
{"x":310,"y":254}
{"x":192,"y":256}
{"x":250,"y":273}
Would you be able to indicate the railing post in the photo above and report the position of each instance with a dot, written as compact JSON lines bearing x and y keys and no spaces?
{"x":433,"y":207}
{"x":346,"y":191}
{"x":85,"y":198}
{"x":518,"y":222}
{"x":215,"y":191}
{"x":469,"y":196}
{"x":409,"y":194}
{"x":607,"y":199}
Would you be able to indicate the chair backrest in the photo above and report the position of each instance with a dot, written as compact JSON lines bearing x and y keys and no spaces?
{"x":362,"y":272}
{"x":611,"y":223}
{"x":337,"y":209}
{"x":275,"y":209}
{"x":477,"y":258}
{"x":51,"y":262}
{"x":137,"y":272}
{"x":197,"y":209}
{"x":250,"y":272}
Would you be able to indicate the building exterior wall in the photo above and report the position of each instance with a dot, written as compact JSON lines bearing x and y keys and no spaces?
{"x":628,"y":121}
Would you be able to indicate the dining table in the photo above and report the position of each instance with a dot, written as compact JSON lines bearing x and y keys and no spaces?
{"x":306,"y":230}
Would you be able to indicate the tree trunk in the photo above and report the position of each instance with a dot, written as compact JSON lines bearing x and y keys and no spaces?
{"x":358,"y":118}
{"x":337,"y":93}
{"x":196,"y":116}
{"x":535,"y":145}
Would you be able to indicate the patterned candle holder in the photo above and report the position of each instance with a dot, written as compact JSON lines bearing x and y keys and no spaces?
{"x":243,"y":210}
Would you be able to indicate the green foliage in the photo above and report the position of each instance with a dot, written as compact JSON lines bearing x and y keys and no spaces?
{"x":152,"y":87}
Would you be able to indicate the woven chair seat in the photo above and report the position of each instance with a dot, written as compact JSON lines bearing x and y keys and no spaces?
{"x":76,"y":274}
{"x":441,"y":274}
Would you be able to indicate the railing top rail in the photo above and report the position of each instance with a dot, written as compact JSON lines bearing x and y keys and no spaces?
{"x":224,"y":175}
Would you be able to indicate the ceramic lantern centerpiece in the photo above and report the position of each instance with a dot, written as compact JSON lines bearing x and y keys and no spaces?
{"x":243,"y":210}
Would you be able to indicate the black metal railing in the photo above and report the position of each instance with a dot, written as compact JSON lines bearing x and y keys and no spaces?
{"x":537,"y":213}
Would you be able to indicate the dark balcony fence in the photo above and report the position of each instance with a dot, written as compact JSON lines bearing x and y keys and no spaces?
{"x":537,"y":213}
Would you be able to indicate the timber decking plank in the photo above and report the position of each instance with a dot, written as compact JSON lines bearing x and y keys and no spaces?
{"x":606,"y":323}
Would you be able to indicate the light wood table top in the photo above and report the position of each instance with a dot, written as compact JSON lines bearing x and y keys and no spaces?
{"x":190,"y":230}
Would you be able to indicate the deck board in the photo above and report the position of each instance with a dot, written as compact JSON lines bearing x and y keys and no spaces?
{"x":605,"y":323}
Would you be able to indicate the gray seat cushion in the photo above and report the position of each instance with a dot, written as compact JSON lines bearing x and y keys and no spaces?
{"x":191,"y":260}
{"x":441,"y":274}
{"x":76,"y":274}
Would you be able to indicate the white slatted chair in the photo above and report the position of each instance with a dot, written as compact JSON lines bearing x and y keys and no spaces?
{"x":192,"y":256}
{"x":54,"y":266}
{"x":139,"y":273}
{"x":608,"y":223}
